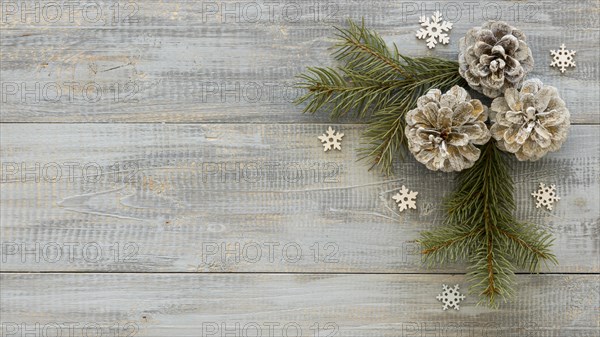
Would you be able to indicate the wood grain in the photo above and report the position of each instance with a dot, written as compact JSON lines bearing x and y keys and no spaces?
{"x":230,"y":219}
{"x":249,"y":198}
{"x":357,"y":305}
{"x":236,"y":61}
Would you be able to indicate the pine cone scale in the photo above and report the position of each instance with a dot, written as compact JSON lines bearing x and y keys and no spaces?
{"x":457,"y":139}
{"x":478,"y":133}
{"x":543,"y":97}
{"x":470,"y":152}
{"x":552,"y":118}
{"x":455,"y":159}
{"x":524,"y":56}
{"x":500,"y":29}
{"x":513,"y":66}
{"x":545,"y":137}
{"x":498,"y":50}
{"x":472,"y":78}
{"x":484,"y":35}
{"x":463,"y":113}
{"x":511,"y":98}
{"x":444,"y":120}
{"x":510,"y":43}
{"x":516,"y":134}
{"x":482,"y":48}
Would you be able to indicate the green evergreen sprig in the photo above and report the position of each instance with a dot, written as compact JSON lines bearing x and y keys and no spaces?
{"x":375,"y":83}
{"x":480,"y":228}
{"x":379,"y":85}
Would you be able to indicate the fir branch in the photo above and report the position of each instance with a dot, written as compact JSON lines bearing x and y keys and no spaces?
{"x":449,"y":244}
{"x":381,"y":85}
{"x":493,"y":241}
{"x":384,"y":138}
{"x":530,"y":245}
{"x":375,"y":83}
{"x":366,"y":52}
{"x":491,"y":273}
{"x":345,"y":90}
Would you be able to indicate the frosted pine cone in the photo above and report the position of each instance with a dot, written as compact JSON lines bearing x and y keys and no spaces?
{"x":494,"y":57}
{"x":443,"y":129}
{"x":530,"y":122}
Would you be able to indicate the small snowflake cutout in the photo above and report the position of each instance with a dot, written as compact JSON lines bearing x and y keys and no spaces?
{"x":405,"y":199}
{"x":434,"y":29}
{"x":450,"y":297}
{"x":331,"y":140}
{"x":545,"y":196}
{"x":562,"y":58}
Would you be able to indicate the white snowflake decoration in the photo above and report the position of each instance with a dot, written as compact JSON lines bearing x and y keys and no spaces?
{"x":331,"y":140}
{"x":450,"y":297}
{"x":545,"y":196}
{"x":405,"y":199}
{"x":562,"y":58}
{"x":434,"y":29}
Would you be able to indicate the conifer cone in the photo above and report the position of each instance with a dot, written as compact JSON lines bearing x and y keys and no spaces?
{"x":530,"y":122}
{"x":494,"y":57}
{"x":442,"y":130}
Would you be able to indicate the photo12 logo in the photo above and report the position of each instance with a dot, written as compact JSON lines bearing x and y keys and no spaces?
{"x":255,"y":172}
{"x":269,"y":11}
{"x":68,"y":329}
{"x":470,"y":329}
{"x":248,"y":92}
{"x":109,"y":13}
{"x":268,"y":329}
{"x":473,"y":11}
{"x":54,"y":172}
{"x":222,"y":253}
{"x":68,"y":252}
{"x":69,"y":92}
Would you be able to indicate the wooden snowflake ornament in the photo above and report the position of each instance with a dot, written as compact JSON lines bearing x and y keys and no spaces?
{"x":545,"y":196}
{"x":450,"y":297}
{"x":562,"y":58}
{"x":405,"y":199}
{"x":331,"y":140}
{"x":434,"y":30}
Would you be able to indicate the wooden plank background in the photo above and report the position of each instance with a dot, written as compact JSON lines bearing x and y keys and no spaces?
{"x":189,"y":188}
{"x":186,"y":61}
{"x":370,"y":305}
{"x":173,"y":189}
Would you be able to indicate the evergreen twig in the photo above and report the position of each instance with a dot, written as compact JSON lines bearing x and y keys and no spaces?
{"x":380,"y":85}
{"x":375,"y":83}
{"x":481,"y":229}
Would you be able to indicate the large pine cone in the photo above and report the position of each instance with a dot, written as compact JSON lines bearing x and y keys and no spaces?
{"x":443,"y":129}
{"x":530,"y":122}
{"x":494,"y":57}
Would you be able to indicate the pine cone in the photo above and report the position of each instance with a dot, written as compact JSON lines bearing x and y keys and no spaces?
{"x":494,"y":57}
{"x":530,"y":122}
{"x":443,"y":129}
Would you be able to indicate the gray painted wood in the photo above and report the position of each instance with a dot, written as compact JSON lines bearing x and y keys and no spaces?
{"x":167,"y":209}
{"x":236,"y":61}
{"x":142,"y":242}
{"x":357,"y":305}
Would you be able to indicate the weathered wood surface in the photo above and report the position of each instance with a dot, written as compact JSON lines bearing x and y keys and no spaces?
{"x":249,"y":198}
{"x":161,"y":244}
{"x":342,"y":305}
{"x":236,"y":61}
